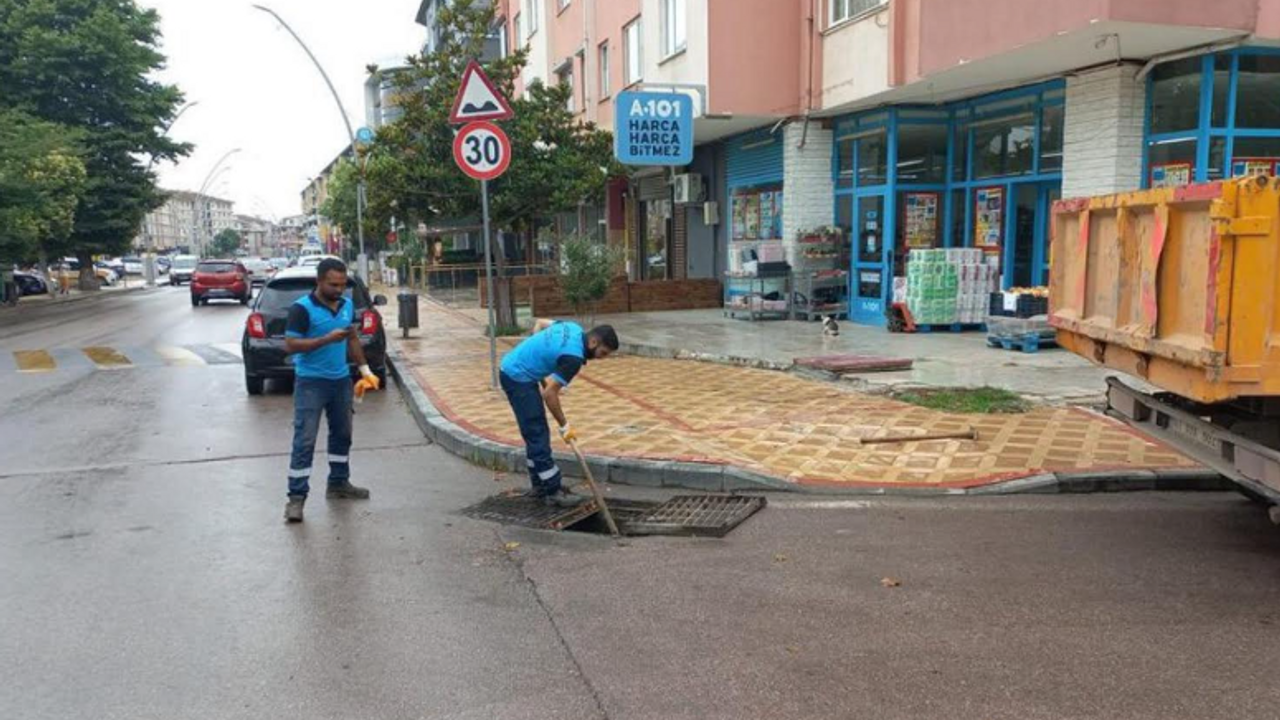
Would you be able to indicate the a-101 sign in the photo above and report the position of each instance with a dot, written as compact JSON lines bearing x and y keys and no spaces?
{"x":653,"y":128}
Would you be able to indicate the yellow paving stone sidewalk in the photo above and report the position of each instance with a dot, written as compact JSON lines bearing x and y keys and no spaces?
{"x":804,"y":431}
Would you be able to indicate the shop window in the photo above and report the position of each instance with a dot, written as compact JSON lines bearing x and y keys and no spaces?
{"x":1258,"y":92}
{"x":1171,"y":162}
{"x":960,"y":157}
{"x":844,"y":215}
{"x":869,"y":233}
{"x":957,"y":218}
{"x":656,"y":229}
{"x":1175,"y":96}
{"x":844,"y":163}
{"x":922,"y":154}
{"x":1051,"y":126}
{"x":1221,"y":89}
{"x":757,"y":214}
{"x":1004,"y":147}
{"x":1217,"y":159}
{"x":873,"y":159}
{"x":1255,"y":156}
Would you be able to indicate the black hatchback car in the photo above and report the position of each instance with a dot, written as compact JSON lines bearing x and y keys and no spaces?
{"x":263,"y":343}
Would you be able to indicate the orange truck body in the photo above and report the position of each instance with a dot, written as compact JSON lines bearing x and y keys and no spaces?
{"x":1177,"y":286}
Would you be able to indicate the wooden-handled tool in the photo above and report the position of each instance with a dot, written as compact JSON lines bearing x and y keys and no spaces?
{"x":966,"y":434}
{"x":595,"y":491}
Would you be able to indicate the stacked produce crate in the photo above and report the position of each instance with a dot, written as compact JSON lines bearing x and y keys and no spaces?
{"x":948,"y":286}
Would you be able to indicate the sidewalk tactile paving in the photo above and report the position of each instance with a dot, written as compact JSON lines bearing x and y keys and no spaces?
{"x":775,"y":423}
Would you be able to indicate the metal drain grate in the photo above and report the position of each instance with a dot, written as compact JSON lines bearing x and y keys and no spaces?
{"x":528,"y":512}
{"x":704,"y":515}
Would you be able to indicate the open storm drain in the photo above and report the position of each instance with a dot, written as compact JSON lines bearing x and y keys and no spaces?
{"x":685,"y":515}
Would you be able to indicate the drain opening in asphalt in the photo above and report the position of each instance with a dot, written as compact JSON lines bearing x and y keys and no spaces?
{"x":682,"y":515}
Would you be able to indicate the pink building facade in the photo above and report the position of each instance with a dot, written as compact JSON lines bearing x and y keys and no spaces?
{"x":906,"y":124}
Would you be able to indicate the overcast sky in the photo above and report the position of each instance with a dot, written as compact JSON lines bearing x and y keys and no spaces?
{"x":257,"y":90}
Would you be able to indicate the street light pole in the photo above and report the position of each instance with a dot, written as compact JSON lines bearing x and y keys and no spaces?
{"x":195,"y":214}
{"x":149,"y":259}
{"x":351,"y":136}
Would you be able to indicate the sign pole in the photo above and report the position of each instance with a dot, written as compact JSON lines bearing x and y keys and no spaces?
{"x":488,"y":274}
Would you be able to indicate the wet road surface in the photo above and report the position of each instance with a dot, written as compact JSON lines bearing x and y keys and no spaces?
{"x":147,"y":574}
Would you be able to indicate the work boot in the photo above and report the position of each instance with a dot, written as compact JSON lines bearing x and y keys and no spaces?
{"x":346,"y":491}
{"x":293,"y":508}
{"x":561,"y":497}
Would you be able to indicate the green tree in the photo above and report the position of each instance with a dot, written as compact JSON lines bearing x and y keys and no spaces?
{"x":89,"y":65}
{"x":340,"y":206}
{"x":557,"y":162}
{"x":225,"y":244}
{"x":41,"y":178}
{"x":586,"y":269}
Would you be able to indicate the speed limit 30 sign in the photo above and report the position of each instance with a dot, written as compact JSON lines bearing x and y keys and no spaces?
{"x":482,"y":150}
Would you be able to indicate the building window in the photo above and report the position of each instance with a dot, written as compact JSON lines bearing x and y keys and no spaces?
{"x":922,"y":154}
{"x":1175,"y":96}
{"x":633,"y":47}
{"x":1052,"y":124}
{"x":873,"y":159}
{"x":604,"y":70}
{"x":673,"y":27}
{"x":1004,"y":147}
{"x":1258,"y":84}
{"x":562,"y":5}
{"x":565,"y":77}
{"x":842,"y":10}
{"x":533,"y":11}
{"x":517,"y":30}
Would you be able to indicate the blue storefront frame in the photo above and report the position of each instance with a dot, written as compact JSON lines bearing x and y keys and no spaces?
{"x":1206,"y":132}
{"x":869,"y":308}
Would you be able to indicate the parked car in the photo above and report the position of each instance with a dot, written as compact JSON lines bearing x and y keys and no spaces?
{"x":132,"y":265}
{"x":105,"y":273}
{"x":163,"y":263}
{"x":310,"y":261}
{"x":181,"y":269}
{"x":279,"y":263}
{"x":30,"y":283}
{"x":259,"y":271}
{"x":116,"y":265}
{"x":263,"y":343}
{"x":220,"y":280}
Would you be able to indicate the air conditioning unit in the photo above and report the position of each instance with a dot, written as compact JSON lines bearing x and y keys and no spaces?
{"x":689,"y":188}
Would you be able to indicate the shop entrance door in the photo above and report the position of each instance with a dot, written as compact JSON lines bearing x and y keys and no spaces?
{"x":871,"y":256}
{"x":1026,"y":254}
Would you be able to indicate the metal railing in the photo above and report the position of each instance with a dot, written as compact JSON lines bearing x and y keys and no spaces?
{"x":459,"y":285}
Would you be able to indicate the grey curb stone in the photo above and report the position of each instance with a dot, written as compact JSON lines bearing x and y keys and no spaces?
{"x":710,"y":477}
{"x":705,"y":477}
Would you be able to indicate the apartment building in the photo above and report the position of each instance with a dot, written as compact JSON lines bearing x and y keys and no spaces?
{"x":908,"y":123}
{"x":185,"y":221}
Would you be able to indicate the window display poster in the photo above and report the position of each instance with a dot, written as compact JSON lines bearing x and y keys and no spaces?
{"x":752,"y":216}
{"x":766,"y":215}
{"x":739,"y":217}
{"x":988,"y":217}
{"x":1252,"y":166}
{"x":921,"y":213}
{"x":775,"y":228}
{"x":1170,"y":174}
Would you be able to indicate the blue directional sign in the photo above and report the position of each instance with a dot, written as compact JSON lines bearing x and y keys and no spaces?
{"x":364,"y":136}
{"x":653,"y":128}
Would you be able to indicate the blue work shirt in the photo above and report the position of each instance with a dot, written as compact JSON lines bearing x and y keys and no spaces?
{"x":557,"y":353}
{"x":311,"y":318}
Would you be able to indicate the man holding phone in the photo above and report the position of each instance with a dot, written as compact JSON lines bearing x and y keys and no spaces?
{"x":321,"y":338}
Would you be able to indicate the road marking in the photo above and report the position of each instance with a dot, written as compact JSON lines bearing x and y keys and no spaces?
{"x":34,"y":361}
{"x":820,"y":504}
{"x":179,"y":356}
{"x":71,"y":359}
{"x":107,"y":358}
{"x":215,"y":356}
{"x":143,"y":357}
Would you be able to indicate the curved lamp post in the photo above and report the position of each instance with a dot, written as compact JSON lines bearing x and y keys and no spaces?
{"x":351,"y":136}
{"x":195,"y":216}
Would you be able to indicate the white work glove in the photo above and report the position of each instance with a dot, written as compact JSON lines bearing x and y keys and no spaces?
{"x":567,"y":434}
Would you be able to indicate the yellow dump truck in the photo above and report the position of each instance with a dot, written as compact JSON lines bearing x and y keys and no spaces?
{"x":1180,"y":287}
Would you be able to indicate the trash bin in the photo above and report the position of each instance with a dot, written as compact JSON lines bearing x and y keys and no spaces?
{"x":408,"y":315}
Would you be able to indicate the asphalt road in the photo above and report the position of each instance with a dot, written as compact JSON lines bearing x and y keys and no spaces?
{"x":147,"y":574}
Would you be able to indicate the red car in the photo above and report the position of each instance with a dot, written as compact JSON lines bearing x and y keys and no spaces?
{"x":220,"y":280}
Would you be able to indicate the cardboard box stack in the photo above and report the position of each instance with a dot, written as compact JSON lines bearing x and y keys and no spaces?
{"x":951,"y":285}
